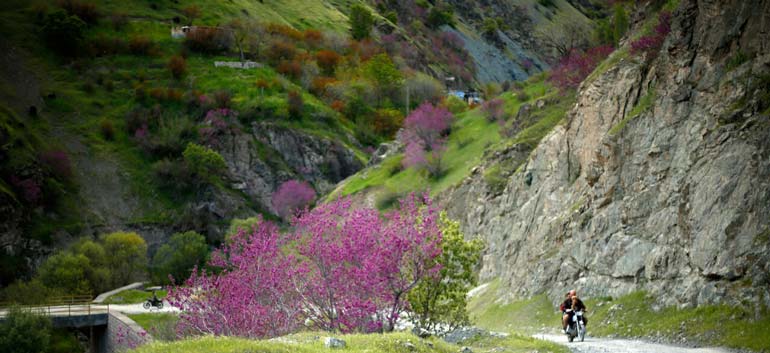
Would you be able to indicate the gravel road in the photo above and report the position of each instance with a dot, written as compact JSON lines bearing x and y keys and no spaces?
{"x":611,"y":345}
{"x":138,"y":309}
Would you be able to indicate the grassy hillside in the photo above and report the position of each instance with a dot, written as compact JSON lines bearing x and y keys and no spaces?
{"x":472,"y":137}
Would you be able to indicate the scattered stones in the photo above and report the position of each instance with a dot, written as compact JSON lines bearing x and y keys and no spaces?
{"x":465,"y":350}
{"x":333,"y":342}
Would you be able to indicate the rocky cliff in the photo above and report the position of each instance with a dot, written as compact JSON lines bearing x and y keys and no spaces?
{"x":658,"y":179}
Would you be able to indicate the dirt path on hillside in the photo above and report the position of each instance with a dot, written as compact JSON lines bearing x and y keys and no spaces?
{"x":612,"y":345}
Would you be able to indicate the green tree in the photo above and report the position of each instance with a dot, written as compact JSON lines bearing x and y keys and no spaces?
{"x":384,"y":74}
{"x":23,"y":331}
{"x":177,"y":257}
{"x":361,"y":21}
{"x":63,"y":33}
{"x":68,"y":272}
{"x":620,"y":19}
{"x":126,"y":257}
{"x":442,"y":299}
{"x":439,"y":15}
{"x":206,"y":163}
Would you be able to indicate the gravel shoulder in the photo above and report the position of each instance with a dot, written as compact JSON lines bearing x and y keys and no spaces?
{"x":612,"y":345}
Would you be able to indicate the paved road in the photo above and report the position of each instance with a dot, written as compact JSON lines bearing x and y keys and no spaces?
{"x":85,"y":309}
{"x":608,"y":345}
{"x":138,"y":309}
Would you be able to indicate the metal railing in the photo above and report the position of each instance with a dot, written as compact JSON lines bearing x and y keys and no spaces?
{"x":63,"y":306}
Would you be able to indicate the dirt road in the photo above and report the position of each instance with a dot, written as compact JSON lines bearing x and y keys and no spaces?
{"x":611,"y":345}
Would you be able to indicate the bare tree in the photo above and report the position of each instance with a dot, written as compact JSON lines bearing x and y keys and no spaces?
{"x":563,"y":34}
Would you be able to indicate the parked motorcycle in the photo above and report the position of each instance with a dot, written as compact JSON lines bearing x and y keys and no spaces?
{"x":577,"y":327}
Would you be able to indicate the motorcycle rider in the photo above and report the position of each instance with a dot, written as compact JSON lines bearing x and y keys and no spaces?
{"x":570,"y":305}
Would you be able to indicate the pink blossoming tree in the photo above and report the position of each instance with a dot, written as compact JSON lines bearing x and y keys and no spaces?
{"x":424,"y":135}
{"x":292,"y":196}
{"x":339,"y":268}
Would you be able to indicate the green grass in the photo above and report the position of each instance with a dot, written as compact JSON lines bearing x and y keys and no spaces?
{"x":161,"y":326}
{"x":523,"y":316}
{"x":133,"y":296}
{"x":718,"y":325}
{"x":472,"y":134}
{"x":631,"y":315}
{"x":355,"y":343}
{"x":644,"y":104}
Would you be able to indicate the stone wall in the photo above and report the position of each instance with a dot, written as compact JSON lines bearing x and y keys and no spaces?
{"x":122,"y":334}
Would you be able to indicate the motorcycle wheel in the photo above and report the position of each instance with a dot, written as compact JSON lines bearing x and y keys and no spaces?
{"x":160,"y":305}
{"x":582,"y":332}
{"x":146,"y":305}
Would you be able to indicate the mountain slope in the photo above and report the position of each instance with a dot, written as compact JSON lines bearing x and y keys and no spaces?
{"x":658,"y":180}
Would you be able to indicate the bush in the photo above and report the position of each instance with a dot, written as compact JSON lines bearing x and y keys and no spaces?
{"x":63,"y":33}
{"x":576,"y":66}
{"x":327,"y":61}
{"x":650,"y":44}
{"x":58,"y":163}
{"x":141,"y":45}
{"x":361,"y":21}
{"x":291,"y":69}
{"x":23,"y":331}
{"x":208,"y":40}
{"x":494,"y":109}
{"x":223,"y":99}
{"x":207,"y":164}
{"x":280,"y":51}
{"x":295,"y":104}
{"x":440,"y":15}
{"x":83,"y":10}
{"x":107,"y":130}
{"x":191,"y":12}
{"x":72,"y":273}
{"x":179,"y":256}
{"x":291,"y":197}
{"x":126,"y":257}
{"x":522,"y":96}
{"x":118,"y":20}
{"x":178,"y":66}
{"x":387,"y":122}
{"x":455,"y":105}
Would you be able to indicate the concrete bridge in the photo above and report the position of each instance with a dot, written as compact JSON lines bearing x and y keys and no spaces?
{"x":108,"y":330}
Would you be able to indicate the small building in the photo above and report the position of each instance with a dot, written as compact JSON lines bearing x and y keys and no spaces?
{"x":180,"y":32}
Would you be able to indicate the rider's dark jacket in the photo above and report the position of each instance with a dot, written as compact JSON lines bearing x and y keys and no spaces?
{"x":568,"y":305}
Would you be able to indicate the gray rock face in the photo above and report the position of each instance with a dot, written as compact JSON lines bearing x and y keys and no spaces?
{"x":676,"y":203}
{"x":261,"y":160}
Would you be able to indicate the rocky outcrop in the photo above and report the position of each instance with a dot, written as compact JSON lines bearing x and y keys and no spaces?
{"x":261,"y":160}
{"x":674,"y":200}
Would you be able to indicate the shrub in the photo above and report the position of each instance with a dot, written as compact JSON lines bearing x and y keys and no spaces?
{"x":70,"y":272}
{"x":387,"y":122}
{"x":141,"y":45}
{"x":191,"y":12}
{"x":455,"y":105}
{"x":208,"y":40}
{"x":361,"y":21}
{"x":439,"y":302}
{"x":494,"y":109}
{"x":313,"y":37}
{"x":522,"y":96}
{"x":440,"y":15}
{"x":285,"y":31}
{"x":179,"y":256}
{"x":424,"y":136}
{"x":58,"y":163}
{"x":118,"y":20}
{"x":291,"y":69}
{"x":576,"y":66}
{"x":280,"y":51}
{"x":126,"y":257}
{"x":620,"y":24}
{"x":107,"y":130}
{"x":291,"y":197}
{"x":327,"y":61}
{"x":650,"y":44}
{"x":102,"y":45}
{"x":63,"y":33}
{"x":207,"y":164}
{"x":295,"y":104}
{"x":223,"y":99}
{"x":23,"y":331}
{"x":178,"y":66}
{"x":84,"y":10}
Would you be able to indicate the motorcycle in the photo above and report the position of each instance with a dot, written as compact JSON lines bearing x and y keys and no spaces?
{"x":153,"y":302}
{"x":576,"y":327}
